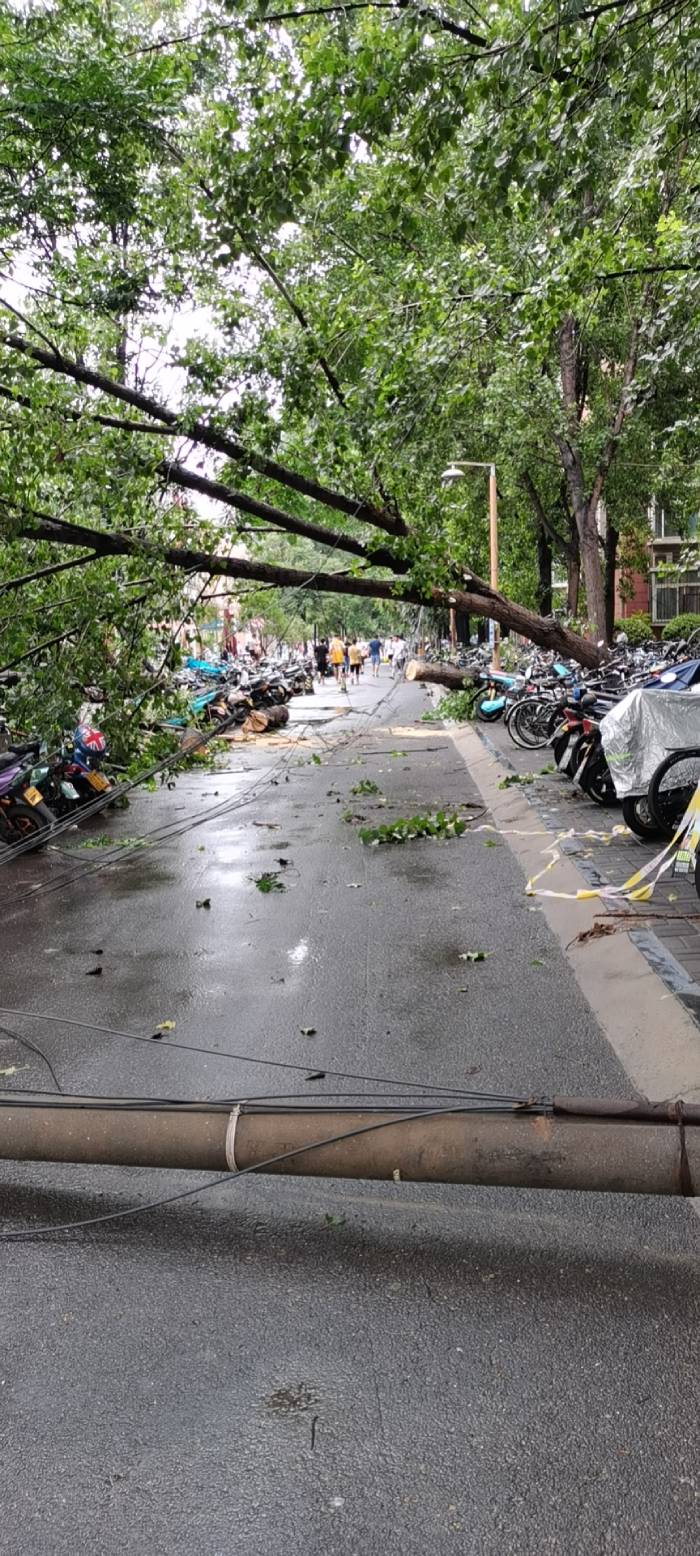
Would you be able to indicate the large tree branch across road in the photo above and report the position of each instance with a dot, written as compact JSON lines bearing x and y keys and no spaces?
{"x":208,"y":437}
{"x":479,"y":599}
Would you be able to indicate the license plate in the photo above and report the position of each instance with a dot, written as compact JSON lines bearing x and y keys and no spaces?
{"x":32,"y":796}
{"x":97,"y":781}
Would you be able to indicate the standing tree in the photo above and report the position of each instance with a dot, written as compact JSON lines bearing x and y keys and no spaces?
{"x":279,"y":267}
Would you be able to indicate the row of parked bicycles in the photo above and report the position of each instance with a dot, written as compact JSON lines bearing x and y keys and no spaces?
{"x":627,"y":733}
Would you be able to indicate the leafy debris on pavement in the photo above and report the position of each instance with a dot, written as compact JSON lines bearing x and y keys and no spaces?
{"x":514,"y":779}
{"x":269,"y":881}
{"x":103,"y":840}
{"x":203,"y":902}
{"x":308,"y":1031}
{"x":404,"y":830}
{"x":595,"y":932}
{"x":365,"y":786}
{"x":458,"y":706}
{"x":474,"y":956}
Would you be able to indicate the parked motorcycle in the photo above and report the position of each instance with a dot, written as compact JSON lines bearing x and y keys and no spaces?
{"x":23,"y":813}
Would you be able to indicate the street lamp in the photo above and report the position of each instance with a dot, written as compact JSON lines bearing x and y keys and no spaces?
{"x":453,"y":473}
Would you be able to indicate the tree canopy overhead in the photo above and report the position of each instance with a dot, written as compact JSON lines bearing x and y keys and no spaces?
{"x":271,"y":268}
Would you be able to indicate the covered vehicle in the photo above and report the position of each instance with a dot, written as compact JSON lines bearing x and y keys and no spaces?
{"x":648,"y":723}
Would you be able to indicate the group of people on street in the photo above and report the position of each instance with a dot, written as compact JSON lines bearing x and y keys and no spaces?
{"x":346,"y":657}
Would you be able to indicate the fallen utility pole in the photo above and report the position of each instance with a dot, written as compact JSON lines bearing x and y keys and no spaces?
{"x":585,"y":1144}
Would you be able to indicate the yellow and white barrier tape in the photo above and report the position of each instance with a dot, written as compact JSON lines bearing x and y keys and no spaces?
{"x":640,"y":886}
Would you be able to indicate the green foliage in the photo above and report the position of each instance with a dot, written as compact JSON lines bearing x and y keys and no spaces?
{"x":268,"y":882}
{"x":440,"y":825}
{"x":383,"y":232}
{"x":458,"y":706}
{"x":516,"y":780}
{"x":681,"y":626}
{"x":365,"y":786}
{"x":637,"y":627}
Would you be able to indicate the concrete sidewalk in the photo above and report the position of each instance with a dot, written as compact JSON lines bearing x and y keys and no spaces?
{"x":668,"y":932}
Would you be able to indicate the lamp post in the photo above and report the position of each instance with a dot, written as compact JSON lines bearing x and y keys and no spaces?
{"x":454,"y":472}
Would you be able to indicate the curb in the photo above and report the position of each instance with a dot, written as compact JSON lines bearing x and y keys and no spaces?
{"x":617,"y":975}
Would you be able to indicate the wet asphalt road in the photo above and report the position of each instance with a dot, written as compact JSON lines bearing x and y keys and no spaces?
{"x":313,"y":1368}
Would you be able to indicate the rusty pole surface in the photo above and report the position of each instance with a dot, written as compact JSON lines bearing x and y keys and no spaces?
{"x":536,"y":1150}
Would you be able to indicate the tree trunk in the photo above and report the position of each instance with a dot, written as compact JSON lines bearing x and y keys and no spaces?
{"x":262,"y":719}
{"x":585,"y":510}
{"x":611,"y":542}
{"x":589,"y":541}
{"x":477,"y":597}
{"x":439,"y":675}
{"x":544,"y":573}
{"x":573,"y":581}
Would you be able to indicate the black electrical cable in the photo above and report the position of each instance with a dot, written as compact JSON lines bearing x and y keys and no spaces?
{"x":276,"y":1102}
{"x":13,"y":851}
{"x":34,"y":1048}
{"x":167,"y":830}
{"x":225,"y":1177}
{"x":171,"y":760}
{"x":223,"y":1053}
{"x":164,"y":833}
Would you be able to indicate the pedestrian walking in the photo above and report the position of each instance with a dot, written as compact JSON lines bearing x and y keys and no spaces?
{"x":399,"y":658}
{"x":321,"y":657}
{"x":355,"y":658}
{"x":375,"y":654}
{"x":337,"y":656}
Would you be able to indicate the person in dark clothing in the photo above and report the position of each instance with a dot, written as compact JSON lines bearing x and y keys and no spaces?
{"x":321,"y":657}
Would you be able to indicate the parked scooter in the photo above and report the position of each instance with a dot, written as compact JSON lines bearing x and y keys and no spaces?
{"x":24,"y":816}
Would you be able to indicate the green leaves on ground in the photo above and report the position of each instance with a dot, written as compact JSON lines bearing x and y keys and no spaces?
{"x":474,"y":956}
{"x":103,"y":840}
{"x":365,"y":786}
{"x":440,"y":825}
{"x":458,"y":706}
{"x":269,"y":881}
{"x":516,"y":780}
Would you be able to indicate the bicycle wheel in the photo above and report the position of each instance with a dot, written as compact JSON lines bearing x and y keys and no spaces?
{"x":672,"y":788}
{"x":529,"y":724}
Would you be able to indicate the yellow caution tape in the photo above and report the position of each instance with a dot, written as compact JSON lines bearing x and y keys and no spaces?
{"x":640,"y":886}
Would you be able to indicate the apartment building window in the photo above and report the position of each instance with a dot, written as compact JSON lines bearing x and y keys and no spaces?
{"x":674,"y":599}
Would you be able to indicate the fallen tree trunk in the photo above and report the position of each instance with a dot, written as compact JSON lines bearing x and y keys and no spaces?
{"x":478,"y":599}
{"x":265,"y":718}
{"x":440,"y":675}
